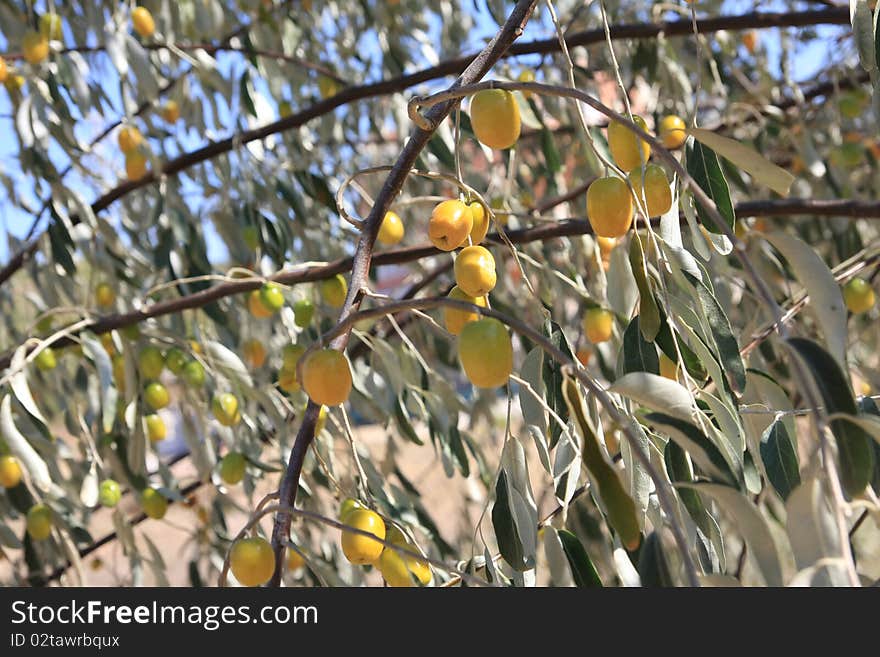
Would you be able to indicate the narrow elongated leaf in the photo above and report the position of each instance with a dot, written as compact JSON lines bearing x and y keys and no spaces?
{"x":21,"y":448}
{"x":582,"y":568}
{"x":653,"y":568}
{"x":109,"y":394}
{"x":649,"y":312}
{"x":552,"y":377}
{"x":826,"y":299}
{"x":638,"y":355}
{"x":656,"y":392}
{"x":780,"y":459}
{"x":760,"y":168}
{"x":722,"y":334}
{"x":855,"y":452}
{"x":504,"y":522}
{"x":812,"y":532}
{"x":19,"y":384}
{"x":619,"y":506}
{"x":703,"y":165}
{"x":703,"y":451}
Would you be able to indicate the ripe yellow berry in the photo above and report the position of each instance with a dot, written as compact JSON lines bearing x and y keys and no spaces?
{"x":153,"y":503}
{"x":135,"y":165}
{"x":475,"y":271}
{"x":156,"y":429}
{"x":35,"y":47}
{"x":672,"y":131}
{"x":334,"y":291}
{"x":450,"y":224}
{"x":401,"y":570}
{"x":481,"y":222}
{"x":232,"y":468}
{"x":598,"y":324}
{"x":495,"y":118}
{"x":454,"y":318}
{"x":628,"y":150}
{"x":156,"y":396}
{"x":252,"y":561}
{"x":256,"y":306}
{"x":295,"y":560}
{"x":360,"y":549}
{"x":391,"y":231}
{"x":129,"y":139}
{"x":143,"y":23}
{"x":4,"y":70}
{"x":526,"y":75}
{"x":10,"y":472}
{"x":656,"y":190}
{"x":485,"y":352}
{"x":609,"y":207}
{"x":171,"y":111}
{"x":225,"y":408}
{"x":39,"y":522}
{"x":858,"y":296}
{"x":105,"y":295}
{"x":326,"y":377}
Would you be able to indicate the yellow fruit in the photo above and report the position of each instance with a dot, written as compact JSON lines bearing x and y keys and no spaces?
{"x":295,"y":560}
{"x":156,"y":396}
{"x":287,"y":380}
{"x":143,"y":23}
{"x":526,"y":75}
{"x":135,"y":166}
{"x":391,"y":231}
{"x":481,"y":222}
{"x":105,"y":296}
{"x":284,"y":109}
{"x":334,"y":291}
{"x":4,"y":70}
{"x":34,"y":47}
{"x":454,"y":318}
{"x":475,"y":271}
{"x":858,"y":295}
{"x":151,"y":362}
{"x":171,"y":111}
{"x":606,"y":245}
{"x":360,"y":549}
{"x":326,"y":377}
{"x":668,"y":367}
{"x":399,"y":570}
{"x":156,"y":429}
{"x":129,"y":139}
{"x":609,"y":207}
{"x":495,"y":118}
{"x":10,"y":472}
{"x":598,"y":324}
{"x":656,"y":189}
{"x":225,"y":408}
{"x":50,"y":26}
{"x":750,"y":41}
{"x":193,"y":374}
{"x":303,"y":311}
{"x":252,"y":561}
{"x":672,"y":131}
{"x":175,"y":360}
{"x":485,"y":352}
{"x":327,"y":86}
{"x":13,"y":83}
{"x":450,"y":224}
{"x":272,"y":296}
{"x":254,"y":353}
{"x":109,"y":493}
{"x":256,"y":306}
{"x":627,"y":149}
{"x":232,"y":468}
{"x":153,"y":503}
{"x":39,"y":522}
{"x":46,"y":360}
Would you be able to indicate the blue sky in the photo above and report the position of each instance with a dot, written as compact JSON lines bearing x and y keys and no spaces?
{"x":16,"y":221}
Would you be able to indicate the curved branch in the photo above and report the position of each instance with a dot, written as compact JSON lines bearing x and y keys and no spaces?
{"x":836,"y":16}
{"x":547,"y":231}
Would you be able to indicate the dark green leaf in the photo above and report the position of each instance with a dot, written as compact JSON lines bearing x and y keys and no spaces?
{"x":854,"y":447}
{"x":780,"y":459}
{"x":703,"y":165}
{"x":582,"y":569}
{"x":553,"y":378}
{"x":506,"y":532}
{"x":637,"y":354}
{"x":649,"y":312}
{"x":652,"y":567}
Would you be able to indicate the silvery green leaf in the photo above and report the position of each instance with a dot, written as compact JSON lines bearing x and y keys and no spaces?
{"x":115,"y":44}
{"x":226,"y":362}
{"x":139,"y":59}
{"x":656,"y":392}
{"x":19,"y":384}
{"x":109,"y":395}
{"x":813,"y":533}
{"x":21,"y":448}
{"x":531,"y":371}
